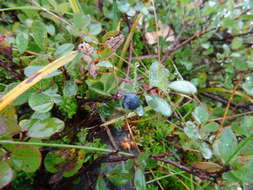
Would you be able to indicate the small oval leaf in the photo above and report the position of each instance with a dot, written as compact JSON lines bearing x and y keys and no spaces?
{"x":139,"y":180}
{"x":40,"y":102}
{"x":225,"y":145}
{"x":39,"y":32}
{"x":63,"y":49}
{"x":8,"y":121}
{"x":191,"y":130}
{"x":201,"y":114}
{"x":209,"y":167}
{"x":22,"y":42}
{"x":159,"y":105}
{"x":183,"y":86}
{"x":45,"y":128}
{"x":158,"y":76}
{"x":27,"y":159}
{"x":101,"y":185}
{"x":6,"y":174}
{"x":70,"y":88}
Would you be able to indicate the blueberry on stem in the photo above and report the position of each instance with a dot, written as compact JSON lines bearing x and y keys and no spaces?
{"x":131,"y":101}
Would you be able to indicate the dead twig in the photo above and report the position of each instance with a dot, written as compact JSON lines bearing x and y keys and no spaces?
{"x":225,"y":101}
{"x":144,"y":57}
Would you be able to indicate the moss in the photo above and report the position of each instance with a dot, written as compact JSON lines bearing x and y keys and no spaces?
{"x":138,"y":43}
{"x":23,"y":181}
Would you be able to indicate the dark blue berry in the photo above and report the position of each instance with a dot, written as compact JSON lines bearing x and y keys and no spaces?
{"x":131,"y":101}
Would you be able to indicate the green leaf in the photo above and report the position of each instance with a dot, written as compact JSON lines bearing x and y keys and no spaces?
{"x":158,"y":76}
{"x":70,"y":88}
{"x":183,"y":86}
{"x":22,"y":41}
{"x":45,"y":128}
{"x":25,"y":124}
{"x":40,"y":116}
{"x":159,"y":105}
{"x":141,"y":160}
{"x":80,"y":20}
{"x":101,"y":185}
{"x":200,"y":114}
{"x":119,"y":175}
{"x":245,"y":173}
{"x":6,"y":174}
{"x":40,"y":102}
{"x":97,"y":87}
{"x":52,"y":160}
{"x":210,"y":127}
{"x":139,"y":180}
{"x":63,"y":49}
{"x":237,"y":43}
{"x":39,"y":32}
{"x":106,"y":64}
{"x":191,"y":130}
{"x":27,"y":159}
{"x":95,"y":28}
{"x":225,"y":145}
{"x":243,"y":147}
{"x":123,"y":6}
{"x":8,"y":121}
{"x":205,"y":150}
{"x":248,"y":85}
{"x":108,"y":81}
{"x":245,"y":127}
{"x":31,"y":69}
{"x":51,"y":29}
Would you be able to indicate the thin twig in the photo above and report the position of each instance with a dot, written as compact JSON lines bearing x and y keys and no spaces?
{"x":195,"y":172}
{"x":198,"y":34}
{"x":144,"y":57}
{"x":231,"y":116}
{"x":188,"y":40}
{"x":229,"y":101}
{"x":109,"y":134}
{"x":224,"y":101}
{"x":131,"y":134}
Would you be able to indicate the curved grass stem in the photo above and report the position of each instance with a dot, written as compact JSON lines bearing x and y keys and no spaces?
{"x":63,"y":146}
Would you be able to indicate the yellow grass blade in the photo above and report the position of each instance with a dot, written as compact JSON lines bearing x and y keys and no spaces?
{"x":74,"y":6}
{"x":34,"y":78}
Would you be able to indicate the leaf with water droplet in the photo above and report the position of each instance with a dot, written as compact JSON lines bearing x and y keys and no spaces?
{"x":225,"y":145}
{"x":200,"y":114}
{"x":183,"y":86}
{"x":191,"y":130}
{"x":205,"y":150}
{"x":158,"y":76}
{"x":140,"y":111}
{"x":248,"y":85}
{"x":159,"y":105}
